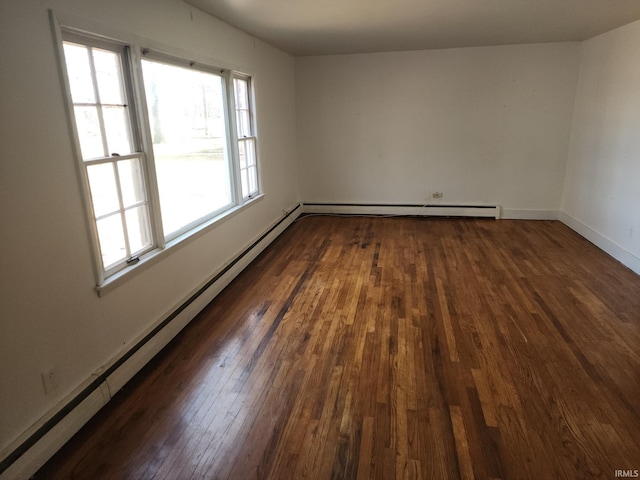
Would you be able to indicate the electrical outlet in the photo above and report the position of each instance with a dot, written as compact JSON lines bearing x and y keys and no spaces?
{"x":50,"y":380}
{"x":437,"y":195}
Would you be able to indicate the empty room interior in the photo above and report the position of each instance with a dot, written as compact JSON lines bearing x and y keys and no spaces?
{"x":345,"y":240}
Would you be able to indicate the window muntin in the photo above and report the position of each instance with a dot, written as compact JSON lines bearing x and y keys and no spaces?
{"x":189,"y":134}
{"x":246,"y":136}
{"x":114,"y":167}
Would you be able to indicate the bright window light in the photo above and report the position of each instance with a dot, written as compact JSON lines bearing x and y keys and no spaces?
{"x":186,"y":115}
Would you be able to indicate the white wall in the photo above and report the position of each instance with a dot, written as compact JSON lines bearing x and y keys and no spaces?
{"x":602,"y":187}
{"x":51,"y":315}
{"x":486,"y":125}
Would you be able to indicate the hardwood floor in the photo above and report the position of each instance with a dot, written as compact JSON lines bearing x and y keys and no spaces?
{"x":358,"y":348}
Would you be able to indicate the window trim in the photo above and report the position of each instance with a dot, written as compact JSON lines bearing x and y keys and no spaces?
{"x":134,"y":86}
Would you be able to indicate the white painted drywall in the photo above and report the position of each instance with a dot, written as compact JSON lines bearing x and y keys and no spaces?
{"x":50,"y":314}
{"x":486,"y":125}
{"x":602,"y":185}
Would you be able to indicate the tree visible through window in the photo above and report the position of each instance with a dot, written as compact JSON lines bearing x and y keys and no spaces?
{"x":189,"y":142}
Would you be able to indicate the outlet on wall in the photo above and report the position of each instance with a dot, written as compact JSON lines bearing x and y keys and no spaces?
{"x":50,"y":380}
{"x":437,"y":195}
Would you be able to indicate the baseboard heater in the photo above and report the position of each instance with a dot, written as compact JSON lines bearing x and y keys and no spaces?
{"x":473,"y":211}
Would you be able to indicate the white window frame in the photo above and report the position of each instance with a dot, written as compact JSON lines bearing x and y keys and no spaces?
{"x":134,"y":130}
{"x":252,"y":137}
{"x":64,"y":27}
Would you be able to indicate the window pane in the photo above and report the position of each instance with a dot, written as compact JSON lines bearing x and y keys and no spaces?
{"x":112,"y":243}
{"x":104,"y":192}
{"x":245,"y":183}
{"x":244,"y":123}
{"x":108,"y":75}
{"x":138,"y":228}
{"x":242,"y":154}
{"x":131,"y":181}
{"x":253,"y":180}
{"x":89,"y":132}
{"x":243,"y":117}
{"x":190,"y":188}
{"x":189,"y":142}
{"x":248,"y":168}
{"x":241,"y":93}
{"x":80,"y":82}
{"x":116,"y":127}
{"x":250,"y":151}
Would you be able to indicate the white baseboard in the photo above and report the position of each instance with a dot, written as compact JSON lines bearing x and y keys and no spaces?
{"x":616,"y":251}
{"x":516,"y":214}
{"x":120,"y":371}
{"x":432,"y":210}
{"x":491,"y":211}
{"x":50,"y":443}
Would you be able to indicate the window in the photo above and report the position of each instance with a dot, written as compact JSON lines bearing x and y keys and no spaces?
{"x":184,"y":156}
{"x":111,"y":156}
{"x":246,"y":138}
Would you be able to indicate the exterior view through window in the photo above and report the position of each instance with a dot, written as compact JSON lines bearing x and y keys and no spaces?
{"x":197,"y":124}
{"x":186,"y":115}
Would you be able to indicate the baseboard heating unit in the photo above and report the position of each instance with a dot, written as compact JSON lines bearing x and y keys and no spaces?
{"x":473,"y":211}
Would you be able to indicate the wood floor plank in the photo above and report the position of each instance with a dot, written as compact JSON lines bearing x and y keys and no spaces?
{"x":390,"y":348}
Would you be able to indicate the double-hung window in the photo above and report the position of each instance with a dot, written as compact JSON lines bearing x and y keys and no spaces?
{"x":165,"y":145}
{"x":112,"y":157}
{"x":246,"y":136}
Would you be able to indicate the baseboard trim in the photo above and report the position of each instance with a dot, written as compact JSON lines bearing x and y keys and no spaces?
{"x":30,"y":453}
{"x":483,"y":211}
{"x":616,"y":251}
{"x":519,"y":214}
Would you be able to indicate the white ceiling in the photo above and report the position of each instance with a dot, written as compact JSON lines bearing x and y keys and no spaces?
{"x":320,"y":27}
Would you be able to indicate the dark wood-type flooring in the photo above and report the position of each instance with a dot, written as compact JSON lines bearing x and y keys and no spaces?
{"x":385,"y":348}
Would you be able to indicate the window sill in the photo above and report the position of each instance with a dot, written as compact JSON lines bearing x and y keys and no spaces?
{"x":158,"y":254}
